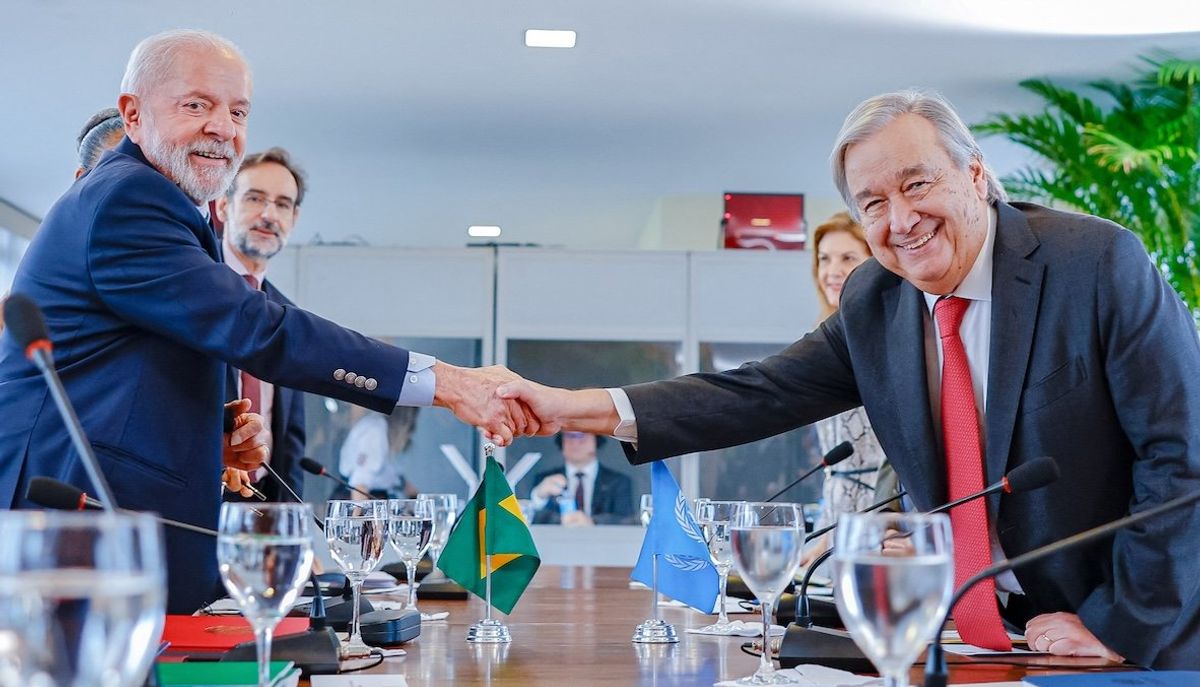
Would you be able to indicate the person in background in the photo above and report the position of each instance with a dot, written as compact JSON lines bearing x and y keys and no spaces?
{"x":258,"y":212}
{"x":102,"y":132}
{"x":369,"y":460}
{"x":582,"y":492}
{"x":838,"y":246}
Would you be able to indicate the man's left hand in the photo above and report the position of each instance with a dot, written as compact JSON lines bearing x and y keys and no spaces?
{"x":576,"y":519}
{"x":1063,"y":634}
{"x":249,"y":444}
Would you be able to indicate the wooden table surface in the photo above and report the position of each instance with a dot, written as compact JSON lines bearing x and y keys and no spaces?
{"x":573,"y":626}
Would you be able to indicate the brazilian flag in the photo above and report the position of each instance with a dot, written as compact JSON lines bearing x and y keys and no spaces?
{"x":492,"y":523}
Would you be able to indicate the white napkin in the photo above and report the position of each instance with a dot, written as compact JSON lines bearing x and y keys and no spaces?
{"x":387,"y":652}
{"x":738,"y":628}
{"x":816,"y":676}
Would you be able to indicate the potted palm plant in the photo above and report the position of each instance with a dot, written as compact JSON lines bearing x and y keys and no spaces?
{"x":1135,"y":159}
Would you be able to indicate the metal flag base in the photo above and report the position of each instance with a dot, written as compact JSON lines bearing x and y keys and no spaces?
{"x":489,"y":631}
{"x":655,"y":631}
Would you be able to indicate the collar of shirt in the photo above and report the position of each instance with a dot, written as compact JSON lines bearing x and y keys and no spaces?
{"x":977,"y":285}
{"x":589,"y":471}
{"x":236,"y":265}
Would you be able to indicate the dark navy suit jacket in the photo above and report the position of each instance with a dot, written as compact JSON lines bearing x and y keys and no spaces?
{"x":287,"y":428}
{"x":145,"y":320}
{"x":1094,"y":361}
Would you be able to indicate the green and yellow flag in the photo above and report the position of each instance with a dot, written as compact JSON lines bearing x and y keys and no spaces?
{"x":492,"y":523}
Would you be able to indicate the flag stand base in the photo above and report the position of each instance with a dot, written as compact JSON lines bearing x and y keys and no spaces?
{"x":489,"y":631}
{"x":655,"y":631}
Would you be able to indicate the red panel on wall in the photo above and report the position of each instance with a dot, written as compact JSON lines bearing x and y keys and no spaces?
{"x":766,"y":221}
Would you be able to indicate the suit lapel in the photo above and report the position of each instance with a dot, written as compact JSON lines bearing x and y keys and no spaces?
{"x":1016,"y":296}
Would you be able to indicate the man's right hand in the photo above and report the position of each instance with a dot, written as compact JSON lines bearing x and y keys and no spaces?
{"x":586,"y":410}
{"x":550,"y":487}
{"x":470,"y":393}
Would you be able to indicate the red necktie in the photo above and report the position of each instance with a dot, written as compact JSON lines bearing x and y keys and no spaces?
{"x":976,"y":615}
{"x":579,"y":492}
{"x":251,"y":387}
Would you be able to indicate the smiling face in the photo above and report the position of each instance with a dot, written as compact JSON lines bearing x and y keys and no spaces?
{"x":191,"y":123}
{"x":838,"y":253}
{"x":260,"y":212}
{"x":925,"y":217}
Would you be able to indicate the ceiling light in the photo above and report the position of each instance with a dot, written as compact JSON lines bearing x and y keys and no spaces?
{"x":483,"y":231}
{"x":548,"y":38}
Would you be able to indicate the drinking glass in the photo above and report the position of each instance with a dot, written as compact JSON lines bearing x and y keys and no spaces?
{"x":893,"y":601}
{"x":646,"y":509}
{"x":356,"y":531}
{"x":713,"y":518}
{"x":265,"y":554}
{"x":410,"y":525}
{"x":82,"y":598}
{"x":767,"y":540}
{"x":445,"y":512}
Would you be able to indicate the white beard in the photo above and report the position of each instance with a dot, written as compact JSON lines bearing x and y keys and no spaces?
{"x":200,"y":184}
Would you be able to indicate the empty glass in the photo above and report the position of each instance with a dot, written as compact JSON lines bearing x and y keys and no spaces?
{"x":82,"y":598}
{"x":357,"y":532}
{"x":264,"y":551}
{"x":713,"y":518}
{"x":445,"y":512}
{"x":410,"y":523}
{"x":894,"y":575}
{"x":766,"y":540}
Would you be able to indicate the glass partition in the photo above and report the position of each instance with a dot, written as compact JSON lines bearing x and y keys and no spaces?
{"x":755,"y":471}
{"x":578,"y":364}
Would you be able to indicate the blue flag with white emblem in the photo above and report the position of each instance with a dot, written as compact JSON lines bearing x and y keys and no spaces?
{"x":685,"y":571}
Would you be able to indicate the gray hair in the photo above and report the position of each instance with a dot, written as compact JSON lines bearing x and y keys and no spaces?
{"x":873,"y":114}
{"x":153,"y":58}
{"x":95,"y":134}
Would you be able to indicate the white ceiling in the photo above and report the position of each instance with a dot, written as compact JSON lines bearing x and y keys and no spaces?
{"x":416,"y":119}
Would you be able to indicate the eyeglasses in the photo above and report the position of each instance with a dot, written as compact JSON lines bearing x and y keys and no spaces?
{"x":258,"y":201}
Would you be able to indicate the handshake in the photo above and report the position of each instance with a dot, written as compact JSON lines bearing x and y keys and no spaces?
{"x":504,"y":405}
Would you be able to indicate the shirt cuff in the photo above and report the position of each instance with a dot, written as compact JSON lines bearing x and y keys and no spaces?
{"x":419,"y":381}
{"x":626,"y":429}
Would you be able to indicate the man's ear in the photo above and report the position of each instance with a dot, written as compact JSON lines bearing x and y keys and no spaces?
{"x":130,"y":107}
{"x":222,"y":207}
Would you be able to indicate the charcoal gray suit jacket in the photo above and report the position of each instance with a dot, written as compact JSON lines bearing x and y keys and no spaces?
{"x":1094,"y":361}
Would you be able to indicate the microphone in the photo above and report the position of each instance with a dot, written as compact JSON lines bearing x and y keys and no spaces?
{"x":24,"y":319}
{"x":312,"y":467}
{"x":52,"y":493}
{"x":836,"y":455}
{"x":935,"y":662}
{"x":809,"y":644}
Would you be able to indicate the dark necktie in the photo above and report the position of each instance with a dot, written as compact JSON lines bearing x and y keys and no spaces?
{"x":251,"y":387}
{"x":976,"y":615}
{"x":579,"y":492}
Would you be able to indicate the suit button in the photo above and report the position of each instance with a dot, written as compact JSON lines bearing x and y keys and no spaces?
{"x":360,"y":382}
{"x":414,"y":379}
{"x":371,"y":384}
{"x":350,"y":377}
{"x":339,"y":374}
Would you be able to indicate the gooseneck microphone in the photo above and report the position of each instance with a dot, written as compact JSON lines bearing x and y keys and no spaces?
{"x":935,"y":663}
{"x":813,"y":645}
{"x":836,"y":455}
{"x":24,"y":319}
{"x":312,"y":467}
{"x":52,"y":493}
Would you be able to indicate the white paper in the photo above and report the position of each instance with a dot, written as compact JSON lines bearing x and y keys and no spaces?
{"x":813,"y":676}
{"x":352,"y":680}
{"x":739,"y":628}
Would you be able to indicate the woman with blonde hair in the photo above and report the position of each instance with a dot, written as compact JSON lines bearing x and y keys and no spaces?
{"x":838,"y":246}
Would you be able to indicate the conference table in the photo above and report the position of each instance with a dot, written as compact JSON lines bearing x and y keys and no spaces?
{"x":572,"y":628}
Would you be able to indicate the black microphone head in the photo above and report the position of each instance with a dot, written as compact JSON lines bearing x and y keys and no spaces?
{"x":839,"y":453}
{"x":24,"y":319}
{"x":51,"y":493}
{"x":311,"y":466}
{"x":1035,"y":474}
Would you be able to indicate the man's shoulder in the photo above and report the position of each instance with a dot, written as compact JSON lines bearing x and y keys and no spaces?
{"x":611,"y":474}
{"x":1065,"y":231}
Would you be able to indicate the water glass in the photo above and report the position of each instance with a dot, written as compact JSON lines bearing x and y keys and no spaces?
{"x":410,"y":526}
{"x":265,"y":554}
{"x":894,"y":575}
{"x":713,"y":518}
{"x":445,"y":513}
{"x":766,"y":540}
{"x":82,"y":598}
{"x":357,"y":532}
